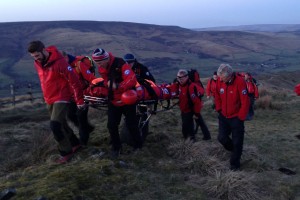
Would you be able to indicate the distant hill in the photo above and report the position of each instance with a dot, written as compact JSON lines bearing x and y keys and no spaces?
{"x":164,"y":49}
{"x":256,"y":28}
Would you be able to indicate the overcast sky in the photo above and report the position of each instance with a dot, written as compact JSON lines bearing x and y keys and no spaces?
{"x":184,"y":13}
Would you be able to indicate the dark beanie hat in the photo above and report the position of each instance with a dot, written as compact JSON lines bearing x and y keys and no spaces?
{"x":129,"y":58}
{"x":71,"y":58}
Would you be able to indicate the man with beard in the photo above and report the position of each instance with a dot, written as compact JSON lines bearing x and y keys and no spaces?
{"x":118,"y":78}
{"x":58,"y":80}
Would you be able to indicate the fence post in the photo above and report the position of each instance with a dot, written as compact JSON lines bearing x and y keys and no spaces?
{"x":30,"y":93}
{"x":12,"y":92}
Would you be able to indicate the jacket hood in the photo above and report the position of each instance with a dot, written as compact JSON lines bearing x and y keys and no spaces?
{"x":54,"y":54}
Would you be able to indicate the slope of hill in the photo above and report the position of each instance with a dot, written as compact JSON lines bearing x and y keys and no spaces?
{"x":164,"y":49}
{"x":167,"y":167}
{"x":256,"y":28}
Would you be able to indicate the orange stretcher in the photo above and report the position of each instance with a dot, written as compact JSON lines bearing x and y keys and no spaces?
{"x":146,"y":93}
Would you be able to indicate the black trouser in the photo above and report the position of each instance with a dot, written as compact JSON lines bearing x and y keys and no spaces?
{"x":235,"y":127}
{"x":143,"y":125}
{"x":200,"y":121}
{"x":188,"y":125}
{"x":113,"y":121}
{"x":80,"y":119}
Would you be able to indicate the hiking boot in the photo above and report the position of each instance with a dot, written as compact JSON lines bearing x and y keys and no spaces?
{"x":193,"y":140}
{"x":8,"y":193}
{"x":206,"y":138}
{"x":114,"y":154}
{"x":64,"y":159}
{"x":136,"y":150}
{"x":76,"y":148}
{"x":234,"y":168}
{"x":90,"y":128}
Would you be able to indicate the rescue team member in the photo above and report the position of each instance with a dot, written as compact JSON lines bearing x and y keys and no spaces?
{"x":59,"y":84}
{"x":118,"y":78}
{"x":211,"y":88}
{"x":190,"y":106}
{"x":232,"y":104}
{"x":142,"y":73}
{"x":297,"y":89}
{"x":81,"y":65}
{"x":140,"y":70}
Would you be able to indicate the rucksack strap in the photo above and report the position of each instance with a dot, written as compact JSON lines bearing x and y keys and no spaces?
{"x":77,"y":67}
{"x":190,"y":102}
{"x":111,"y":75}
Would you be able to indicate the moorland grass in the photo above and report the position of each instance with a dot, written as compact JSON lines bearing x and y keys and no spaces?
{"x":166,"y":168}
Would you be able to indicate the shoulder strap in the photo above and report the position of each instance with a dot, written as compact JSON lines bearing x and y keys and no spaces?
{"x":112,"y":74}
{"x":190,"y":102}
{"x":77,"y":66}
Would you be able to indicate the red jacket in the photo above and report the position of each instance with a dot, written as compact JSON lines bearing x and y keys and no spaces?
{"x":211,"y":87}
{"x":252,"y":88}
{"x":121,"y":73}
{"x":82,"y":70}
{"x":232,"y":98}
{"x":56,"y":78}
{"x":297,"y":89}
{"x":192,"y":103}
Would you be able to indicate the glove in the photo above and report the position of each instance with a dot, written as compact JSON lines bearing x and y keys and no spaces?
{"x":114,"y":86}
{"x":196,"y":116}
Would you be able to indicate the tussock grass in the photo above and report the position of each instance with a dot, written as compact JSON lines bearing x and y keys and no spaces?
{"x":273,"y":99}
{"x":204,"y":165}
{"x":232,"y":186}
{"x":30,"y":148}
{"x":266,"y":102}
{"x":181,"y":149}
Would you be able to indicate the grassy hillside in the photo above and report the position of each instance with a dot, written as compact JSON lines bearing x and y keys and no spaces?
{"x":167,"y":167}
{"x":164,"y":49}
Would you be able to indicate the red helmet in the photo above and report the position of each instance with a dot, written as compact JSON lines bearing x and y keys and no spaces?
{"x":297,"y":89}
{"x":129,"y":97}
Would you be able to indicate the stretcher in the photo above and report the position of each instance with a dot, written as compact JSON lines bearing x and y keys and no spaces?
{"x":148,"y":97}
{"x":146,"y":92}
{"x":153,"y":106}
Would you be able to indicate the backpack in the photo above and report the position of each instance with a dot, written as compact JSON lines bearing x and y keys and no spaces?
{"x":88,"y":61}
{"x":253,"y":80}
{"x":198,"y":89}
{"x":194,"y":76}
